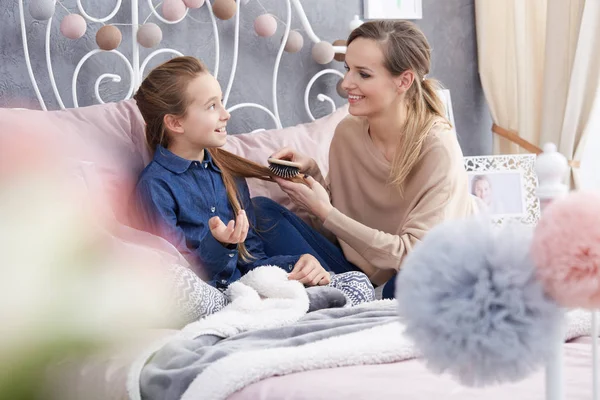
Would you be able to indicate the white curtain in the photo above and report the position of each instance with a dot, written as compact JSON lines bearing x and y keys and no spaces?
{"x":511,"y":40}
{"x":571,"y":81}
{"x":539,"y":62}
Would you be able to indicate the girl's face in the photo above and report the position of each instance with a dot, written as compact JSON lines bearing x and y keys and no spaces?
{"x":483,"y":191}
{"x":205,"y":121}
{"x":371,"y":88}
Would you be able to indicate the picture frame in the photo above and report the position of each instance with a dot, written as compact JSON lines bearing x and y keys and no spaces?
{"x":505,"y":187}
{"x":393,"y":9}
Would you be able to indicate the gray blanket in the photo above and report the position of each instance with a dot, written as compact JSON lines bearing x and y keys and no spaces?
{"x":172,"y":369}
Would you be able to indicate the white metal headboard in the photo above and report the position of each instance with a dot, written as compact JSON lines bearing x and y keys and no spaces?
{"x":136,"y":68}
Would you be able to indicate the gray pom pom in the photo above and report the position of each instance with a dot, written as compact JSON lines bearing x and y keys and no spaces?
{"x":42,"y":10}
{"x":471,"y":302}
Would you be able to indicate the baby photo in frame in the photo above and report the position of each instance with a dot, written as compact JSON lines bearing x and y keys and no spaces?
{"x":504,"y":186}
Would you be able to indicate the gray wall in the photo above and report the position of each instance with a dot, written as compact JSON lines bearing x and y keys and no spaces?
{"x":448,"y":24}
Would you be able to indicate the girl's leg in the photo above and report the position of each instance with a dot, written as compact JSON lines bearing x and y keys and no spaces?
{"x":195,"y":298}
{"x":389,"y":290}
{"x":283,"y":232}
{"x":355,"y":285}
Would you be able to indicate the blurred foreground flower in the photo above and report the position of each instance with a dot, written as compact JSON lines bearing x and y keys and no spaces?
{"x":68,"y":285}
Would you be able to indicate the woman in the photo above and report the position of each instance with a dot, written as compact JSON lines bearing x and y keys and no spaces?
{"x":395,"y":164}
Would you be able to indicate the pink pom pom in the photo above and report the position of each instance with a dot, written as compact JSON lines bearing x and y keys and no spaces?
{"x":173,"y":10}
{"x":265,"y":25}
{"x":108,"y":37}
{"x":566,"y":250}
{"x":323,"y":52}
{"x":193,"y":3}
{"x":149,"y":35}
{"x":73,"y":26}
{"x":294,"y":42}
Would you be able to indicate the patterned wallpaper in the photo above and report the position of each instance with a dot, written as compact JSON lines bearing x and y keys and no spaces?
{"x":448,"y":24}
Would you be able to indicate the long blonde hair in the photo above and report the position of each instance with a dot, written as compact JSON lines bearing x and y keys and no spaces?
{"x":163,"y":92}
{"x":405,"y":47}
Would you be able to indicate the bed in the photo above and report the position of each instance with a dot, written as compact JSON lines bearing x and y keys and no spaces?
{"x":357,"y":353}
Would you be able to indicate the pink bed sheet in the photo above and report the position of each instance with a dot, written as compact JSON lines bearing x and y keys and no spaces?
{"x":410,"y":380}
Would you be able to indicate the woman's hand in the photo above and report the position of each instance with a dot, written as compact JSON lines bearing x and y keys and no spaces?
{"x":234,"y":232}
{"x":313,"y":198}
{"x":309,"y":271}
{"x":289,"y":154}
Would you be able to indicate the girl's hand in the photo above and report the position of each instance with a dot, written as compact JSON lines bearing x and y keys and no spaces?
{"x":313,"y":198}
{"x":309,"y":271}
{"x":289,"y":154}
{"x":234,"y":232}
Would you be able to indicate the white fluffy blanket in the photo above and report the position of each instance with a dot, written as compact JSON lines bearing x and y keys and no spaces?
{"x":263,"y":298}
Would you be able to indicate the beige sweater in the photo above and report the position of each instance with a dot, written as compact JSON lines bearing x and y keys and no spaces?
{"x":375,"y":225}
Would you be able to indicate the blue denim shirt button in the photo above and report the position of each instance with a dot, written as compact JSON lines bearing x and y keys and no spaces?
{"x":290,"y":267}
{"x":231,"y":255}
{"x":212,"y":209}
{"x":223,"y":281}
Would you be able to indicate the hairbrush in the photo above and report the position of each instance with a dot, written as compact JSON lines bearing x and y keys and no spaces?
{"x":283,"y":168}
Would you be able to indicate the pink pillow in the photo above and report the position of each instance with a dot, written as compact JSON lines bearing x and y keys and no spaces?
{"x":110,"y":136}
{"x":311,"y":138}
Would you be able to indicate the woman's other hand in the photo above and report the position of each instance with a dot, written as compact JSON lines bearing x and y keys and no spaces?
{"x":313,"y":198}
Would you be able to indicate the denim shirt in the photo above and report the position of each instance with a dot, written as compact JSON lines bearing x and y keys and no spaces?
{"x":177,"y":197}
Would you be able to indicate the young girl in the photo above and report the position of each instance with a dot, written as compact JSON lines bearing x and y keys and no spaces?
{"x":395,"y":164}
{"x":193,"y":193}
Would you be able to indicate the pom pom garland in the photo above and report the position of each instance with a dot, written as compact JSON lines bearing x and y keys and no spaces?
{"x":294,"y":43}
{"x":265,"y":25}
{"x":323,"y":52}
{"x":193,"y":3}
{"x":42,"y":10}
{"x":224,"y":9}
{"x":149,"y":35}
{"x":73,"y":26}
{"x":173,"y":10}
{"x":108,"y":37}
